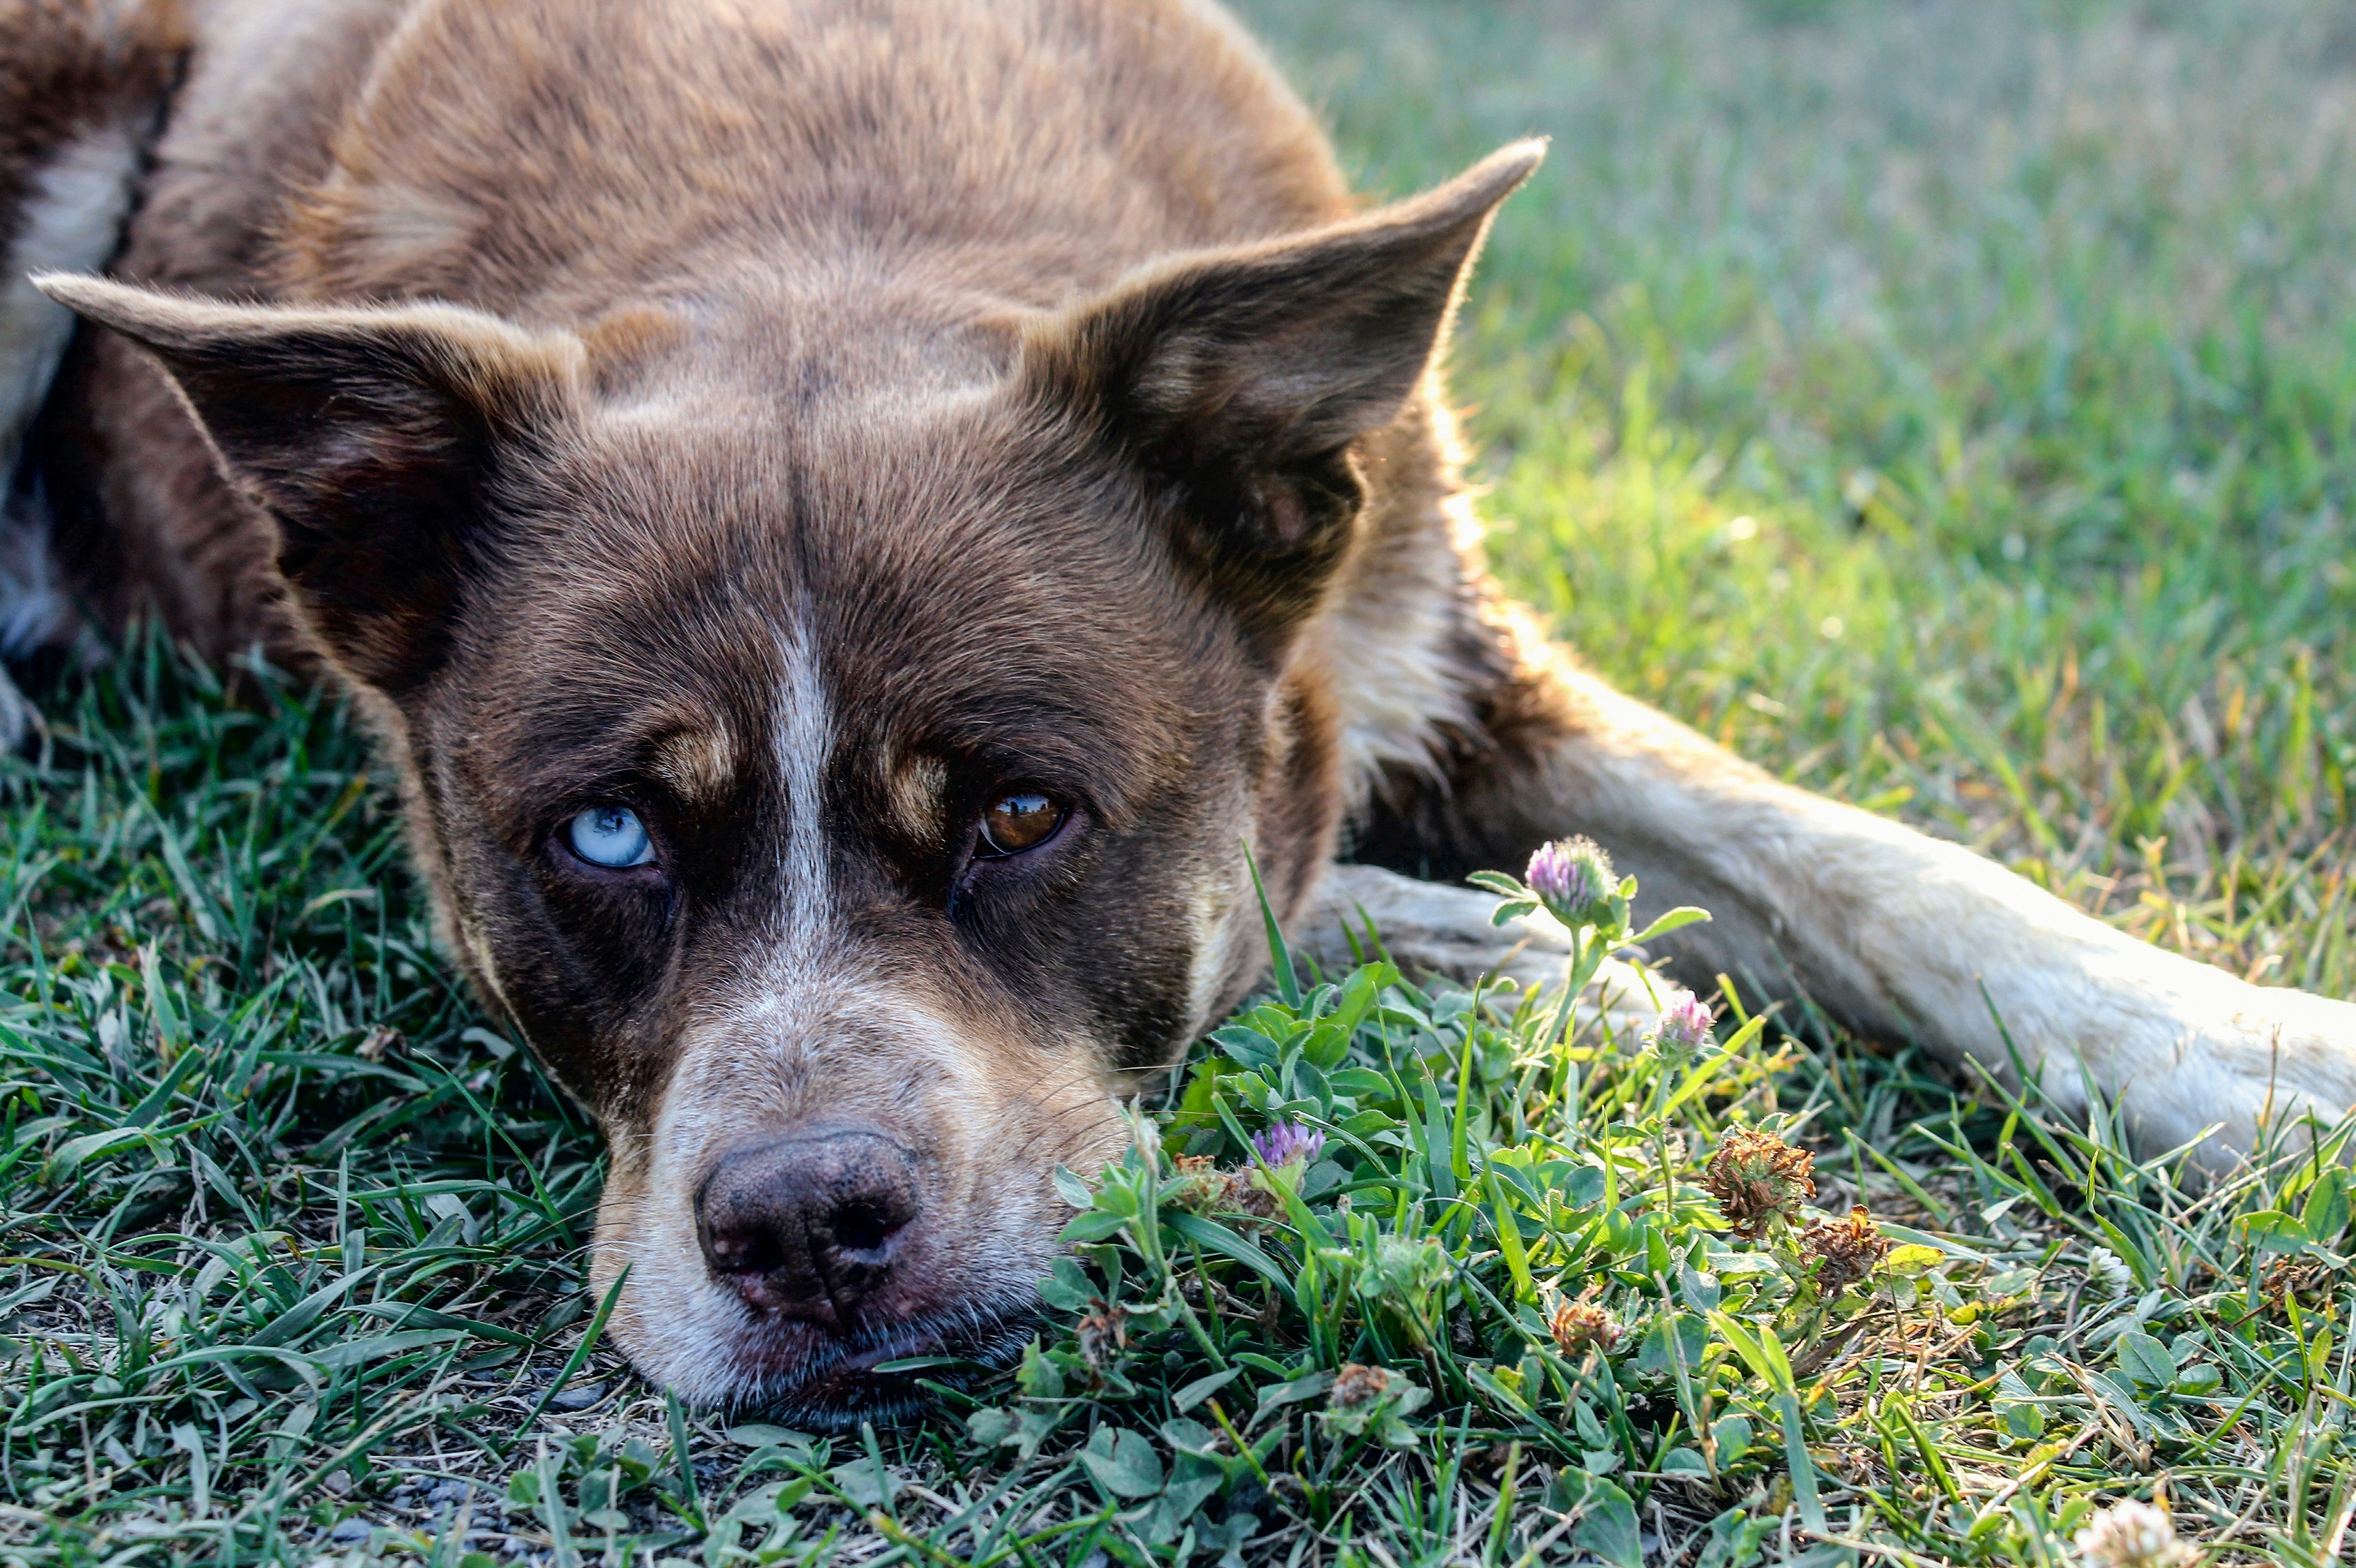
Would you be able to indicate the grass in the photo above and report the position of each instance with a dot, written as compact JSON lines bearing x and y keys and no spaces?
{"x":2018,"y":333}
{"x":1946,"y":403}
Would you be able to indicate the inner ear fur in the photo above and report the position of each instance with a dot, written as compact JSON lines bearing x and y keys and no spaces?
{"x":1240,"y":379}
{"x":370,"y":437}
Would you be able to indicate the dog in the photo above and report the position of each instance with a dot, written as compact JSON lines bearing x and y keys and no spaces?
{"x":850,"y":518}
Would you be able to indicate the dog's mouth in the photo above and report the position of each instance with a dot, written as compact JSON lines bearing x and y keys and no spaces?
{"x":821,"y":1380}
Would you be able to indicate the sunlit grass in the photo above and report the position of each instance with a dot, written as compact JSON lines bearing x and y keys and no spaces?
{"x":2020,"y":334}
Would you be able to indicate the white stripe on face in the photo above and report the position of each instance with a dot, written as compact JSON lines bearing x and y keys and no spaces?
{"x":805,"y":732}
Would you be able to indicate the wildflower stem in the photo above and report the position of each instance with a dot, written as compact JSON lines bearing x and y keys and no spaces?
{"x":1458,"y":1160}
{"x":1194,"y":1326}
{"x":1242,"y":1447}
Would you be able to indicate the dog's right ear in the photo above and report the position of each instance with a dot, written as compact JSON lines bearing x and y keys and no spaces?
{"x":1237,"y":379}
{"x":371,"y":437}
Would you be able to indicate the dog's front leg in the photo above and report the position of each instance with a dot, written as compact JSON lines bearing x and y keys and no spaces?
{"x":1899,"y":934}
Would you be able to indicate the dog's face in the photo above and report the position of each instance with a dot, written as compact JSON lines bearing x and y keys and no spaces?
{"x":833,"y":730}
{"x":844,"y":844}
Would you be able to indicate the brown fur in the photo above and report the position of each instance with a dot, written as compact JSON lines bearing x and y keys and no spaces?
{"x":69,"y":66}
{"x":802,"y":422}
{"x":83,"y":85}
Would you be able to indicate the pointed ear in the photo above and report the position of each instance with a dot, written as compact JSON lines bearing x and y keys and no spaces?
{"x":370,"y":437}
{"x":1242,"y":377}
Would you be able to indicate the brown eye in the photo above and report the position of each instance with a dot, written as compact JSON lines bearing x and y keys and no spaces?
{"x":1020,"y":820}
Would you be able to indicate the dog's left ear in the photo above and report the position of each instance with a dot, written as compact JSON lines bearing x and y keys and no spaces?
{"x":370,"y":437}
{"x":1240,"y":378}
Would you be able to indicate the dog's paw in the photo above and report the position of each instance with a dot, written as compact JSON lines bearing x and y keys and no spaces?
{"x":2245,"y":1069}
{"x":1432,"y":928}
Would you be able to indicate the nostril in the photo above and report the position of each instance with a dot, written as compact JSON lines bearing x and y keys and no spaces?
{"x":743,"y":1250}
{"x":863,"y":1225}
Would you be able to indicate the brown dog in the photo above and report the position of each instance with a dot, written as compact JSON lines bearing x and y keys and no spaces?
{"x":848,"y":515}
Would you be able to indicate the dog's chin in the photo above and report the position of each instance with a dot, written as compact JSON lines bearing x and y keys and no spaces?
{"x":818,"y":1380}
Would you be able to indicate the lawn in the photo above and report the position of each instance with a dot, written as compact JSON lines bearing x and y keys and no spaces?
{"x":1949,"y":404}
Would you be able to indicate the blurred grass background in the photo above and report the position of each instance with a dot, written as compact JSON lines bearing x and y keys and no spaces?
{"x":1946,"y":402}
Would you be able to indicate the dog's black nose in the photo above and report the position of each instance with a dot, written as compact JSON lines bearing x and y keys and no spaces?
{"x":805,"y":1225}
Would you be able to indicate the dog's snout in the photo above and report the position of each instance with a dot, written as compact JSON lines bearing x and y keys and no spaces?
{"x":806,"y":1225}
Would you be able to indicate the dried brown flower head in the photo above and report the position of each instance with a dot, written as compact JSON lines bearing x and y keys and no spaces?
{"x":1756,"y":1177}
{"x":1103,"y":1334}
{"x":1201,"y":1187}
{"x":1355,"y":1385}
{"x":1197,"y":1184}
{"x":1576,"y":1325}
{"x":1844,"y":1252}
{"x":2289,"y":1279}
{"x":1248,"y":1192}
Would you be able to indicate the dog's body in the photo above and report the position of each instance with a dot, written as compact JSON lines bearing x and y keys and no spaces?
{"x":850,"y":515}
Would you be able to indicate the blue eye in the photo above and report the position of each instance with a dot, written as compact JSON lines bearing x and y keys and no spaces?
{"x":610,"y":836}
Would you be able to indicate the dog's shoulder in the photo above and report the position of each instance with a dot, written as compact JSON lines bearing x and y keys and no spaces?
{"x":253,"y":120}
{"x":533,"y":150}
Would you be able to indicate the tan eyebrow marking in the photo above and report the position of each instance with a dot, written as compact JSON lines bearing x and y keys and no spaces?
{"x":918,"y":787}
{"x":698,"y":762}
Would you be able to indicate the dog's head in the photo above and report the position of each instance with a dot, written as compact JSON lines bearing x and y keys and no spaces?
{"x":833,"y":730}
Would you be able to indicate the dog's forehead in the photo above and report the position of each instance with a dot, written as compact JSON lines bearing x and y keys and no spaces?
{"x":936,"y":574}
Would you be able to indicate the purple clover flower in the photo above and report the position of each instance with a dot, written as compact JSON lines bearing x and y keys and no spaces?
{"x":1285,"y":1143}
{"x":1683,"y":1025}
{"x":1573,"y":879}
